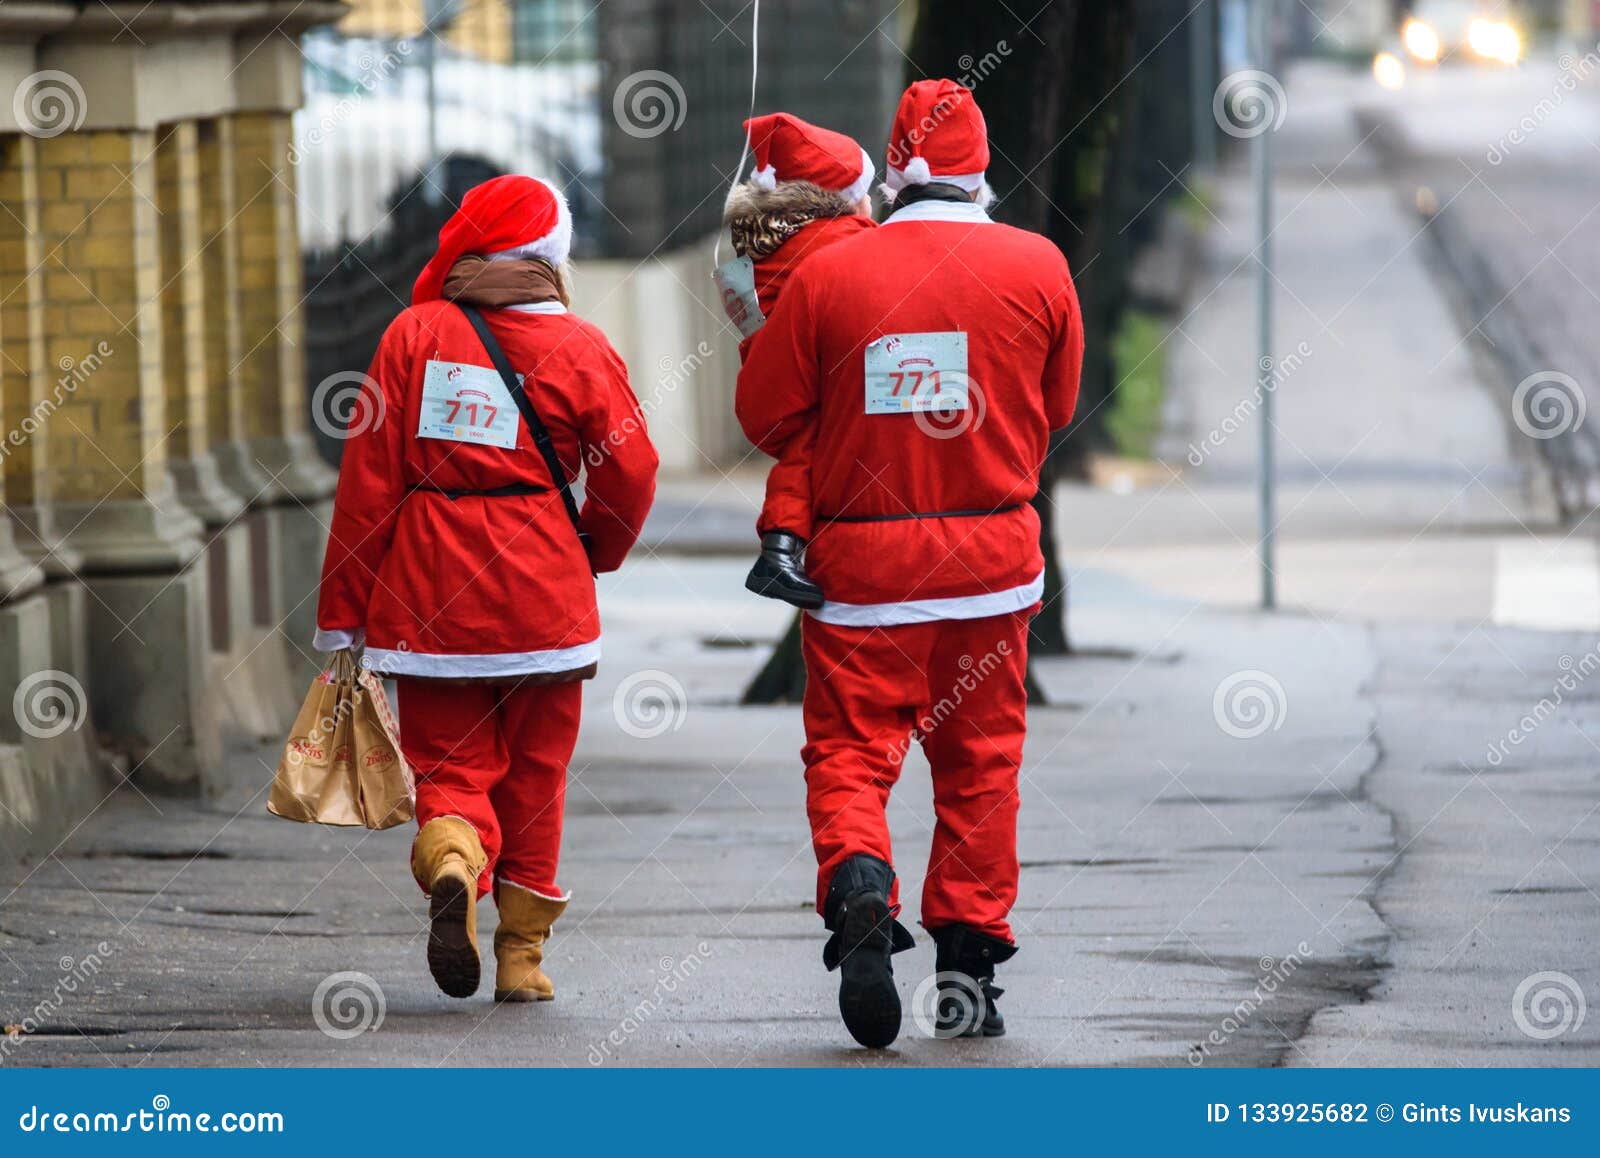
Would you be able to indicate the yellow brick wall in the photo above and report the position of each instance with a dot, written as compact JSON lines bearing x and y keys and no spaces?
{"x":219,"y":256}
{"x":183,"y":298}
{"x":271,"y":371}
{"x":24,"y":374}
{"x":101,"y":263}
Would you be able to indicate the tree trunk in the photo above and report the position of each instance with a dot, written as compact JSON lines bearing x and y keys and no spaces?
{"x":782,"y":679}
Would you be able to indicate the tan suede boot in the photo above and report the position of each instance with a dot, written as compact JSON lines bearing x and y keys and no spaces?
{"x":525,"y":920}
{"x":446,"y":860}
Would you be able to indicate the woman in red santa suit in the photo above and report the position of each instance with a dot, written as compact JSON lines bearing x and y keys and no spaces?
{"x":809,"y":189}
{"x":458,"y":559}
{"x":932,"y":357}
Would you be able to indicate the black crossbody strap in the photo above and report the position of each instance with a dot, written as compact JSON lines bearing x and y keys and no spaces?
{"x":536,"y":426}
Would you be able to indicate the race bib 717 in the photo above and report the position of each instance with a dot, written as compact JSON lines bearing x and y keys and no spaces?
{"x":466,"y":403}
{"x":911,"y":372}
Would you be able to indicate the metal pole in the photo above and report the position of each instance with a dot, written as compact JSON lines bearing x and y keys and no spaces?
{"x":1202,"y":80}
{"x":1261,"y":163}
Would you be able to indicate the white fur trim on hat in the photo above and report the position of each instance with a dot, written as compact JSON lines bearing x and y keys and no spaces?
{"x":766,"y":178}
{"x":863,"y":183}
{"x":916,"y":173}
{"x":555,"y":246}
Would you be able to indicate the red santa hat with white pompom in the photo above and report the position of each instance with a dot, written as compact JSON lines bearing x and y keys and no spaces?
{"x":505,"y":217}
{"x":939,"y":136}
{"x":787,"y":148}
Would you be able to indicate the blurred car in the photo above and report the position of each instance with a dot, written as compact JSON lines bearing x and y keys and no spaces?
{"x":1474,"y":30}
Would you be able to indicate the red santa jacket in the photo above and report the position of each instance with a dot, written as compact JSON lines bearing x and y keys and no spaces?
{"x":919,"y":515}
{"x":471,"y":585}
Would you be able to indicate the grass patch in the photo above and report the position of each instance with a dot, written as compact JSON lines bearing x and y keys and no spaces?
{"x":1139,"y":356}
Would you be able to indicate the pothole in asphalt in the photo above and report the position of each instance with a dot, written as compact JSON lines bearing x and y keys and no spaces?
{"x":735,"y":642}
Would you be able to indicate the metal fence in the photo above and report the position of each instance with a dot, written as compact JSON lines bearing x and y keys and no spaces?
{"x":633,"y":107}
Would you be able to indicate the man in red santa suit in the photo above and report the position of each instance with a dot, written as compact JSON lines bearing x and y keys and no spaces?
{"x":808,"y":190}
{"x":933,"y":356}
{"x":454,"y":557}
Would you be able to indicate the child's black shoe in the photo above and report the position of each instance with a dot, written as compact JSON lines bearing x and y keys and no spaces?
{"x":779,"y":574}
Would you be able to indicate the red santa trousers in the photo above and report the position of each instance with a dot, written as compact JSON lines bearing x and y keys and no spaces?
{"x":955,"y":686}
{"x":495,"y":756}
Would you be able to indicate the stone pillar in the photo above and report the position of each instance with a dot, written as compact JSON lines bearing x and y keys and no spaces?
{"x":109,"y":438}
{"x":185,"y":305}
{"x":110,"y":446}
{"x":224,"y":348}
{"x":20,"y":371}
{"x":272,"y":373}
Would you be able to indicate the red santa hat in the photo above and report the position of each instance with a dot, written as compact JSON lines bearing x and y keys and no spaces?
{"x":938,"y":135}
{"x":505,"y":217}
{"x":789,"y":149}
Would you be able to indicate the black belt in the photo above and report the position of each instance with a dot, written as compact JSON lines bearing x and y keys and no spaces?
{"x":507,"y":491}
{"x":970,"y":514}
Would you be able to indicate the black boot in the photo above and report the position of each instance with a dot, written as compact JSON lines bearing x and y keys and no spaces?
{"x":864,"y":936}
{"x":779,"y":574}
{"x":965,"y":961}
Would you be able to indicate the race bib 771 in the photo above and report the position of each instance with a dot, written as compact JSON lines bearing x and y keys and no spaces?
{"x":911,"y":372}
{"x":466,"y":403}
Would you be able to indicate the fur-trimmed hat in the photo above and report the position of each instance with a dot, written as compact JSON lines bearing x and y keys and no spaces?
{"x":510,"y":216}
{"x":939,"y":136}
{"x":789,"y":149}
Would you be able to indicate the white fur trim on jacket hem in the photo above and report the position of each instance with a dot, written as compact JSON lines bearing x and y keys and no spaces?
{"x":967,"y":211}
{"x":335,"y":640}
{"x":931,"y":610}
{"x":508,"y":663}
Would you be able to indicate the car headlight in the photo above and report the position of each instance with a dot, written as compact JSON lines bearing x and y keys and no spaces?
{"x":1421,"y":41}
{"x":1494,"y":40}
{"x":1389,"y":70}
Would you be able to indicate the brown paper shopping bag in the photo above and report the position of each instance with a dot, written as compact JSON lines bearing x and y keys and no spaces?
{"x":342,"y":762}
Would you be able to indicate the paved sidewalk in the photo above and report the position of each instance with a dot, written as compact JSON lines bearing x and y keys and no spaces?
{"x":1169,"y":869}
